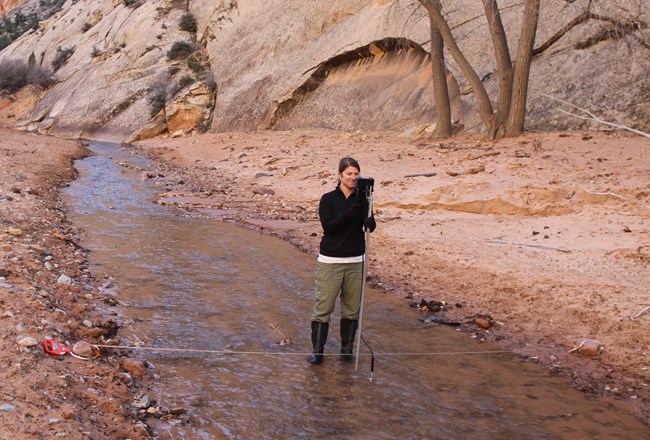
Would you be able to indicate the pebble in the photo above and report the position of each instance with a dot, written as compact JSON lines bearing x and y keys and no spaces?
{"x":7,"y":407}
{"x":83,"y":349}
{"x":28,"y":342}
{"x":134,"y":367}
{"x":143,"y":403}
{"x":39,"y":250}
{"x":64,"y":279}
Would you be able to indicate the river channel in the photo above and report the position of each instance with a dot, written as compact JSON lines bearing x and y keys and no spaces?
{"x":204,"y":285}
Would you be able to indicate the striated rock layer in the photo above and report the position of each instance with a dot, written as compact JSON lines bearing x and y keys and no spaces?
{"x":345,"y":64}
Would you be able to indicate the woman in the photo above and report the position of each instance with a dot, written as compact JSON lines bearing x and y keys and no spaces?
{"x":343,"y":214}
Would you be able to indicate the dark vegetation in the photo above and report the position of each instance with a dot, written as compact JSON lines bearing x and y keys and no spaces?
{"x":133,"y":4}
{"x":187,"y":22}
{"x":14,"y":74}
{"x":13,"y":25}
{"x":180,"y":50}
{"x":12,"y":28}
{"x":61,"y":57}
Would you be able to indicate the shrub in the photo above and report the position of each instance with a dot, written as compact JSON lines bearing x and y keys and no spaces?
{"x":86,"y":27}
{"x":61,"y":57}
{"x":187,"y":22}
{"x":40,"y":76}
{"x":95,"y":52}
{"x":184,"y":81}
{"x":132,"y":3}
{"x":12,"y":28}
{"x":15,"y":74}
{"x":194,"y":63}
{"x":180,"y":50}
{"x":158,"y":96}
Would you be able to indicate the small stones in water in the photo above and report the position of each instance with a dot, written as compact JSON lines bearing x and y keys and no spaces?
{"x":178,"y":411}
{"x":144,"y":402}
{"x":287,"y":341}
{"x":430,"y":306}
{"x":134,"y":367}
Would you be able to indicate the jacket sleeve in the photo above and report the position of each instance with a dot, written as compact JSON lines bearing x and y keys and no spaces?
{"x":332,"y":222}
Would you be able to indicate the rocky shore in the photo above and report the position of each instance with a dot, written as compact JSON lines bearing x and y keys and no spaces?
{"x":48,"y":292}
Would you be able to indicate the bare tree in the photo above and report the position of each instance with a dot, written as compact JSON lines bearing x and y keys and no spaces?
{"x":517,"y":111}
{"x":483,"y":100}
{"x":513,"y":78}
{"x":440,"y":90}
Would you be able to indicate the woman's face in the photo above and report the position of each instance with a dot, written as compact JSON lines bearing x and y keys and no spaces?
{"x":349,"y":177}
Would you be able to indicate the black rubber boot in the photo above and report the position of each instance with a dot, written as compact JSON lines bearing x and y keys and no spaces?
{"x":348,"y":333}
{"x":319,"y":332}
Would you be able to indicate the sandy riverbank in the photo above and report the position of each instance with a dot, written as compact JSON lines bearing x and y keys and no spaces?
{"x":546,"y":236}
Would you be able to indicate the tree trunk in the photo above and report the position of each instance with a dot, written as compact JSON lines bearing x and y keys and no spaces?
{"x":440,"y":91}
{"x":517,"y":116}
{"x":434,"y":8}
{"x":502,"y":56}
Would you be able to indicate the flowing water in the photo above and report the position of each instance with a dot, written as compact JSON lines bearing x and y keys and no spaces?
{"x":203,"y":284}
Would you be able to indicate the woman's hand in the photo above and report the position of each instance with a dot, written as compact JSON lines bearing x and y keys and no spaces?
{"x":370,"y":224}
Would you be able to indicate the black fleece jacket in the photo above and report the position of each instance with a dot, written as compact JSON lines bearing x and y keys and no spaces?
{"x":342,"y":220}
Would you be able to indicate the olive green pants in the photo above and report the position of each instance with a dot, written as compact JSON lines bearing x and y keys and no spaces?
{"x":335,"y":279}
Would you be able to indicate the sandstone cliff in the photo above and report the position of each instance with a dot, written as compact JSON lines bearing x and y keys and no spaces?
{"x":343,"y":64}
{"x":8,"y":5}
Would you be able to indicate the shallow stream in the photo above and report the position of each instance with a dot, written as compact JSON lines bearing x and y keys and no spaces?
{"x":203,"y":284}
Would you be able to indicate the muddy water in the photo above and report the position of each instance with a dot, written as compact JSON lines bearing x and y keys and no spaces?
{"x":202,"y":284}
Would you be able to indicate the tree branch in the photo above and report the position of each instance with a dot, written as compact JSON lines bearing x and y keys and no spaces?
{"x":592,"y":117}
{"x":559,"y":34}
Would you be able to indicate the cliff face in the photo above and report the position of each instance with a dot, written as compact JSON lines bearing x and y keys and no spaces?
{"x":343,"y":64}
{"x":8,"y":5}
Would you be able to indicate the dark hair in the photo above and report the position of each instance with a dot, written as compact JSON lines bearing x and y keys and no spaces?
{"x":348,"y":162}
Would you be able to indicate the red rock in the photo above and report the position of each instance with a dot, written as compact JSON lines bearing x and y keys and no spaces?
{"x":134,"y":367}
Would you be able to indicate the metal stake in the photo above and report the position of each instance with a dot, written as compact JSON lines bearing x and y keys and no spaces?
{"x":364,"y":273}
